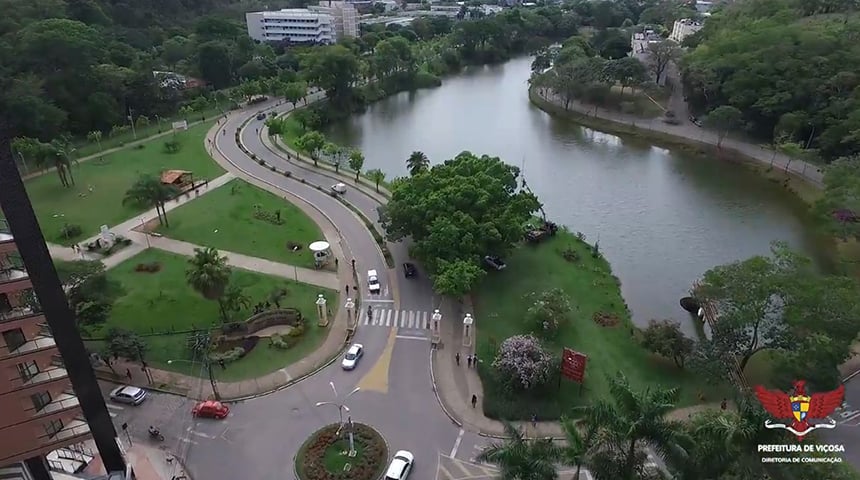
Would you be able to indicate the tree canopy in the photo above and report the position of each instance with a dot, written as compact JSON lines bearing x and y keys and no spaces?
{"x":469,"y":202}
{"x":773,"y":58}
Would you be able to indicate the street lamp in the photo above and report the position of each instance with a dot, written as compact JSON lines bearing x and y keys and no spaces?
{"x":350,"y":314}
{"x":208,"y":365}
{"x":340,"y":409}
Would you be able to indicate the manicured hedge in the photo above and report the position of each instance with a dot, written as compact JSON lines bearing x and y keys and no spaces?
{"x":367,"y":466}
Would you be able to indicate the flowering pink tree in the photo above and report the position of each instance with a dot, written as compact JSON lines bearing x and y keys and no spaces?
{"x":523,"y":363}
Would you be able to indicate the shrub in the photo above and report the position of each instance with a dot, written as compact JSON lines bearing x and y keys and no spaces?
{"x":229,"y":356}
{"x":150,"y":267}
{"x":664,"y":337}
{"x":549,"y":311}
{"x":523,"y":363}
{"x":297,"y":331}
{"x":277,"y":340}
{"x":249,"y":342}
{"x":273,"y":168}
{"x":261,"y":162}
{"x":367,"y":466}
{"x":288,"y":173}
{"x":70,"y":231}
{"x":172,"y":146}
{"x":266,"y":216}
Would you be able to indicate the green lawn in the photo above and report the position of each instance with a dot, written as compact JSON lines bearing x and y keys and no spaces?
{"x":224,"y":219}
{"x":162,"y":301}
{"x":591,"y":287}
{"x":109,"y":179}
{"x":333,"y":458}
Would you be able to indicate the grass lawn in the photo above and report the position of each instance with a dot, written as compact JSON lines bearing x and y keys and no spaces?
{"x":334,"y":460}
{"x":162,"y":301}
{"x":588,"y":282}
{"x":109,"y":179}
{"x":224,"y":219}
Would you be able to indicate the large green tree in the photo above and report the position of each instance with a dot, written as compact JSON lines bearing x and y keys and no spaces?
{"x":470,"y":202}
{"x":150,"y":191}
{"x":334,"y":69}
{"x":519,"y":458}
{"x":209,"y":275}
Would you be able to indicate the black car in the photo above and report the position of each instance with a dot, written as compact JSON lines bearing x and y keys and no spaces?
{"x":261,"y":116}
{"x":409,"y":270}
{"x":495,"y":262}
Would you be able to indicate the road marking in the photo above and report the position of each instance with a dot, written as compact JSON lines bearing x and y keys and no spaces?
{"x":114,"y":407}
{"x":410,"y":337}
{"x":852,"y":417}
{"x":456,"y":444}
{"x":388,"y":318}
{"x":376,"y":379}
{"x":374,"y":300}
{"x":187,"y":440}
{"x":199,"y":434}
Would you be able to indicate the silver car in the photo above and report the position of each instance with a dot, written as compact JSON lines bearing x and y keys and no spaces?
{"x":353,"y":355}
{"x":128,"y":395}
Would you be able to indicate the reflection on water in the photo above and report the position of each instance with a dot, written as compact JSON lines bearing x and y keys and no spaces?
{"x":663,"y":217}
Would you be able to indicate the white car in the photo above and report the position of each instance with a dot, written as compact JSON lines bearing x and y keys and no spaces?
{"x":353,"y":355}
{"x":128,"y":394}
{"x":400,"y":466}
{"x":339,"y":188}
{"x":373,"y":281}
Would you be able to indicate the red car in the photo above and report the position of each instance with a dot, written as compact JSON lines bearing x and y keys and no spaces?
{"x":210,"y":409}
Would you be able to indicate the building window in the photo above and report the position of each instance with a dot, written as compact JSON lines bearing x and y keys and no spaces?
{"x":28,"y":370}
{"x":40,"y":400}
{"x":14,"y":339}
{"x":53,"y":427}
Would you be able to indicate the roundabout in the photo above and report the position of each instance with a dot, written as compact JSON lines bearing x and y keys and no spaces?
{"x":330,"y":453}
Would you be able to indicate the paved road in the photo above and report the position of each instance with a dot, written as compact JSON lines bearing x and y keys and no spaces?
{"x":848,"y":418}
{"x":261,"y":436}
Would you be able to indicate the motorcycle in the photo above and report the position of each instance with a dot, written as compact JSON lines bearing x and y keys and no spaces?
{"x":156,"y":435}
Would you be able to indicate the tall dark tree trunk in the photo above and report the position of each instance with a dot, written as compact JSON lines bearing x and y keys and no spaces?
{"x":164,"y":215}
{"x":630,"y":462}
{"x":61,"y":172}
{"x":222,"y":311}
{"x":68,"y":167}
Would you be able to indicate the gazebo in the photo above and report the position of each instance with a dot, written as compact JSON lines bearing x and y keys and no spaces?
{"x":178,"y":178}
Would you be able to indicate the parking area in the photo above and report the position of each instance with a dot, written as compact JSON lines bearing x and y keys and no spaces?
{"x":171,"y":414}
{"x":847,"y":418}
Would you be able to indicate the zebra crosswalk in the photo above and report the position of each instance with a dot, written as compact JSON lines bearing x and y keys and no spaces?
{"x":387,"y":317}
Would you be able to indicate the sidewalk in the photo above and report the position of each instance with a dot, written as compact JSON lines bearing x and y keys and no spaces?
{"x":149,"y":463}
{"x":764,"y":156}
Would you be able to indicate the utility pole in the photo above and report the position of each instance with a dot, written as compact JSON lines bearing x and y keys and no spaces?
{"x":212,"y":379}
{"x":131,"y":121}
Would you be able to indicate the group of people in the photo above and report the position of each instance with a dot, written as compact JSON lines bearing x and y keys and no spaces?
{"x":471,"y":359}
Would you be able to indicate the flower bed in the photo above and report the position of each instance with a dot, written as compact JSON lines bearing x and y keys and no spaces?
{"x":322,"y":457}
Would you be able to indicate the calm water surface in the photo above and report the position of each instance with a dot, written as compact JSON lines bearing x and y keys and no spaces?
{"x":663,"y":217}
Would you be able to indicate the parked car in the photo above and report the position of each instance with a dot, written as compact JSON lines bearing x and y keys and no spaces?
{"x":373,"y":281}
{"x":339,"y":188}
{"x":409,"y":270}
{"x":495,"y":262}
{"x":695,"y":121}
{"x":261,"y":116}
{"x":400,"y":466}
{"x":210,"y":409}
{"x":128,"y":395}
{"x":353,"y":355}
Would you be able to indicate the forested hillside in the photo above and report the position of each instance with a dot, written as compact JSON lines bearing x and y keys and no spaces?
{"x":79,"y":65}
{"x":791,"y":66}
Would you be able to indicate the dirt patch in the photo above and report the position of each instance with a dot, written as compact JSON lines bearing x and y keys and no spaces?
{"x":293,"y":246}
{"x":605,"y":319}
{"x":151,"y":267}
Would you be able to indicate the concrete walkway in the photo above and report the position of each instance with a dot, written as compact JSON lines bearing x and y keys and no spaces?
{"x":690,"y":132}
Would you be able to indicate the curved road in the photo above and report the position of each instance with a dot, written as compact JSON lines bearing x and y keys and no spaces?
{"x":261,"y":436}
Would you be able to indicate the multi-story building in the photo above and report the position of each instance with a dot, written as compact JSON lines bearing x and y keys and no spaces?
{"x":344,"y":15}
{"x":49,"y":397}
{"x":296,"y":25}
{"x":684,"y":28}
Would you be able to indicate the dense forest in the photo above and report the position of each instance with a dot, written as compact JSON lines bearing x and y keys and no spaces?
{"x":791,"y":66}
{"x":78,"y":66}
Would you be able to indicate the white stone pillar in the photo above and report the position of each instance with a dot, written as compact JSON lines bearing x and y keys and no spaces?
{"x":435,"y":323}
{"x":351,"y":319}
{"x":322,"y":313}
{"x":468,"y":330}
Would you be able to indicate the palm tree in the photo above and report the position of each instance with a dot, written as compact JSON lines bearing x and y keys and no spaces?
{"x":376,"y":175}
{"x":578,"y":445}
{"x":632,"y":420}
{"x":150,"y":191}
{"x":209,"y":274}
{"x":417,"y":163}
{"x":519,"y":458}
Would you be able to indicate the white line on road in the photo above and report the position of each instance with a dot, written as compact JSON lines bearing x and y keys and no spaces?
{"x":112,"y":415}
{"x":188,"y":440}
{"x":457,"y":444}
{"x":410,"y":337}
{"x":192,"y":432}
{"x":374,"y":300}
{"x":114,"y":407}
{"x":852,"y":417}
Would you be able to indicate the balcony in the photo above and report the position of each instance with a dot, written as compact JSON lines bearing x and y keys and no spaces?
{"x":12,"y":268}
{"x":50,"y":375}
{"x":18,"y":313}
{"x":36,"y":344}
{"x":65,"y":401}
{"x":73,"y":432}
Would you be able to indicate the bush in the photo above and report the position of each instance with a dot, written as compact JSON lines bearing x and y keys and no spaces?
{"x":249,"y":342}
{"x":150,"y":267}
{"x":229,"y":356}
{"x":523,"y":363}
{"x":288,"y":173}
{"x":548,"y":312}
{"x":261,"y":162}
{"x":664,"y":337}
{"x":367,"y":466}
{"x":70,"y":231}
{"x":297,"y":331}
{"x":273,"y":168}
{"x":278,"y":341}
{"x":172,"y":146}
{"x":271,"y":217}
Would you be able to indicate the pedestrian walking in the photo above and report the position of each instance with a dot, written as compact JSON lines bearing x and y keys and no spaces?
{"x":724,"y":404}
{"x":222,"y":364}
{"x":475,"y":360}
{"x":457,"y":358}
{"x":353,"y":264}
{"x":474,"y":400}
{"x":469,"y":361}
{"x":347,"y":289}
{"x":336,"y":262}
{"x":534,"y":421}
{"x":128,"y":373}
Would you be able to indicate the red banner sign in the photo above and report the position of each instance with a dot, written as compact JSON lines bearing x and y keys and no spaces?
{"x":573,"y":365}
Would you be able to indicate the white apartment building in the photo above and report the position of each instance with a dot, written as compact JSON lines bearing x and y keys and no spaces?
{"x":684,"y":28}
{"x":344,"y":14}
{"x":298,"y":25}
